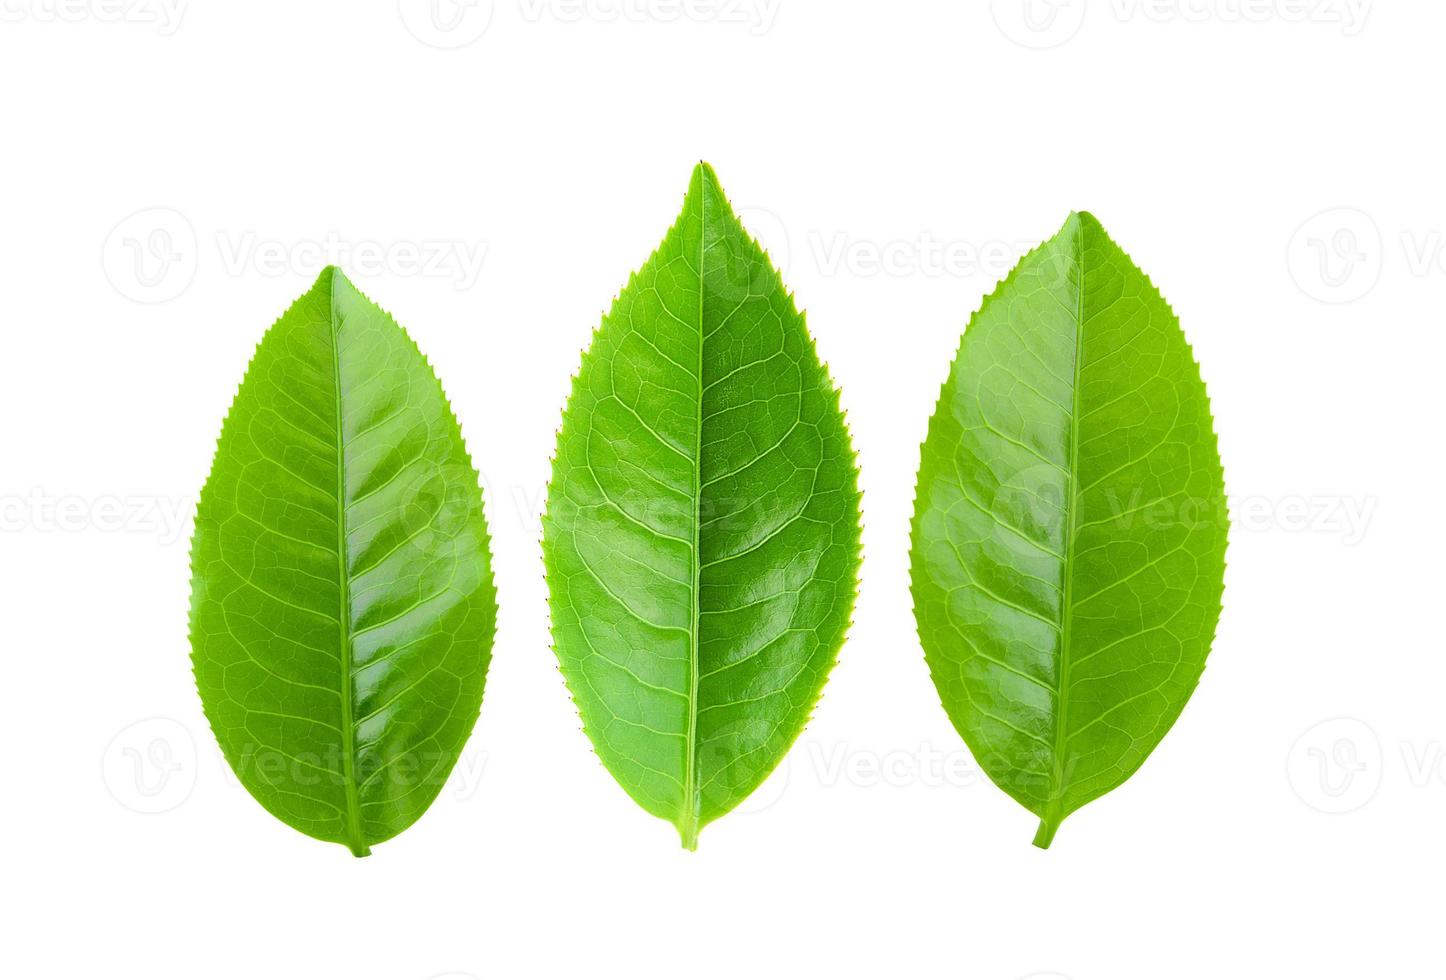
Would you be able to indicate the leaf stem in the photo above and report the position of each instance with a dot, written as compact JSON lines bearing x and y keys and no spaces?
{"x":1048,"y":824}
{"x":688,"y":830}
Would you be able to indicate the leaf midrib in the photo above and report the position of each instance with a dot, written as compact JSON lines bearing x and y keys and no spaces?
{"x":692,"y":808}
{"x":354,"y":840}
{"x":1053,"y":813}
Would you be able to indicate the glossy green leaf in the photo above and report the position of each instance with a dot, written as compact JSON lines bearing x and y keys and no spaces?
{"x":342,"y":606}
{"x":1069,"y":529}
{"x":702,"y":528}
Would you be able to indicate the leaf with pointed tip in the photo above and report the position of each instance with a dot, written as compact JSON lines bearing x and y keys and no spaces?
{"x":702,"y":527}
{"x":1068,"y":547}
{"x":342,"y":606}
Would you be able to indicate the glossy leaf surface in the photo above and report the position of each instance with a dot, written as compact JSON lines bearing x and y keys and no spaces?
{"x":1068,"y":547}
{"x":342,"y":606}
{"x":702,"y":528}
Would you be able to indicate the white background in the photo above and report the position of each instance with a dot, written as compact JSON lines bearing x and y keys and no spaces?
{"x":1275,"y":166}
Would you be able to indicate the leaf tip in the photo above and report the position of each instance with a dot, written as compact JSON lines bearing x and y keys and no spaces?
{"x":1082,"y":222}
{"x":328,"y":276}
{"x":703,"y":171}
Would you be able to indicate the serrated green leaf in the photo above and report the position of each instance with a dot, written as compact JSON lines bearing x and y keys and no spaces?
{"x":1068,"y":547}
{"x":702,"y":527}
{"x":342,"y":606}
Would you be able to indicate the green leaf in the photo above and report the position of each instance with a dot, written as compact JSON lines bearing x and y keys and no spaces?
{"x":342,"y":606}
{"x":702,"y":527}
{"x":1068,"y":548}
